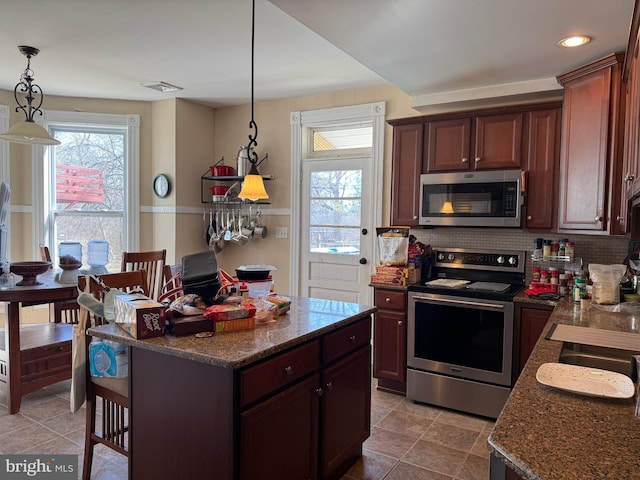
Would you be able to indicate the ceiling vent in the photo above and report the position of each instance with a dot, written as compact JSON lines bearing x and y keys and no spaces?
{"x":162,"y":87}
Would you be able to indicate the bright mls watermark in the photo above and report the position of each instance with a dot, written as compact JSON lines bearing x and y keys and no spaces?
{"x":50,"y":467}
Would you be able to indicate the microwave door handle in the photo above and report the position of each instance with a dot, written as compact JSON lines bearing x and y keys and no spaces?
{"x":460,"y":302}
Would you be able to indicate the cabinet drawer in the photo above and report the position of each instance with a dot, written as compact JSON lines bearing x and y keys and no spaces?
{"x":346,"y":339}
{"x":390,"y":300}
{"x":278,"y":372}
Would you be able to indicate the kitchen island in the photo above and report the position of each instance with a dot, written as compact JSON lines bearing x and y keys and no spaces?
{"x":288,"y":399}
{"x":545,"y":433}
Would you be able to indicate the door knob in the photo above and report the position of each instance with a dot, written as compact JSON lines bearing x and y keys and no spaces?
{"x":365,"y":231}
{"x":363,"y":261}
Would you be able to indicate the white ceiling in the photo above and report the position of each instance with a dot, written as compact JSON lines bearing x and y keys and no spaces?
{"x":435,"y":50}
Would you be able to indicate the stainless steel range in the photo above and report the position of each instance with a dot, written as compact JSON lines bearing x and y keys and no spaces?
{"x":460,"y":335}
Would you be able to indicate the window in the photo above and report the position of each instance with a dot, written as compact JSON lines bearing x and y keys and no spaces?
{"x":87,"y":183}
{"x":335,"y":186}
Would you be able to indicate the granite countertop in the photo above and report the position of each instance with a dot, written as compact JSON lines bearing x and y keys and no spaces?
{"x":545,"y":433}
{"x":522,"y":297}
{"x":389,"y":286}
{"x":307,"y":319}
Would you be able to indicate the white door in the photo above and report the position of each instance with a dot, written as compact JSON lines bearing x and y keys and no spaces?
{"x":336,"y":230}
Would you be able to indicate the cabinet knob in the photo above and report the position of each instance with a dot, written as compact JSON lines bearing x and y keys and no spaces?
{"x":288,"y":370}
{"x":620,"y":218}
{"x":319,"y":391}
{"x":415,"y":217}
{"x":629,"y":177}
{"x":529,"y":217}
{"x":598,"y":218}
{"x":352,"y":338}
{"x":400,"y":323}
{"x":465,"y":160}
{"x":477,"y":159}
{"x":387,"y":300}
{"x":329,"y":386}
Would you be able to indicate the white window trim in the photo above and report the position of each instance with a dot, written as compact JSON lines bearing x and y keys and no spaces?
{"x":5,"y":171}
{"x":132,"y":184}
{"x":373,"y":112}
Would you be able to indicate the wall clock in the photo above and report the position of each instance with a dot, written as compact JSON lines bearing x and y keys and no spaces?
{"x":161,"y":185}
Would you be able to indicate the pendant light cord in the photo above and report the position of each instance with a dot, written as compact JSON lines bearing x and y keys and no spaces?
{"x":253,"y":156}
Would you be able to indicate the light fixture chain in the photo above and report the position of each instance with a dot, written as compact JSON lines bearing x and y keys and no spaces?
{"x":29,"y":91}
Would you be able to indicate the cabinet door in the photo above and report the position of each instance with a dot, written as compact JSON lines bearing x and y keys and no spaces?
{"x":630,"y":180}
{"x":583,"y":159}
{"x":406,"y":170}
{"x":498,"y":142}
{"x":448,"y":145}
{"x":532,"y":322}
{"x":542,"y":161}
{"x":390,"y":345}
{"x":278,"y":437}
{"x":345,"y":413}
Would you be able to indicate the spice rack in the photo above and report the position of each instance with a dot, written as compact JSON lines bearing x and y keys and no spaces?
{"x":563,"y":264}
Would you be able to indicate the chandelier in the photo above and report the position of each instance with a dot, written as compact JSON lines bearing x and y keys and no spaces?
{"x":29,"y":98}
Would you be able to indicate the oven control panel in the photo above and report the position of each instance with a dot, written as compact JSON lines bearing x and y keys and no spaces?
{"x":491,"y":260}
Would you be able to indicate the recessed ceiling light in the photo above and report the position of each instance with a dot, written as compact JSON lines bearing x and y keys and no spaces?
{"x":162,"y":87}
{"x":574,"y":41}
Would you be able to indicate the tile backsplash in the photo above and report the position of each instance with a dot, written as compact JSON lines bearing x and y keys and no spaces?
{"x":603,"y":249}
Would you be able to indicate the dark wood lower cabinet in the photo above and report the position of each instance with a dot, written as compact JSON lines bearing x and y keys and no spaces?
{"x":279,"y":436}
{"x":345,"y":413}
{"x":390,"y":340}
{"x":530,"y":320}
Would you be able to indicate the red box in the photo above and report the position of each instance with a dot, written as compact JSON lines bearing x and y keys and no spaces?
{"x":139,"y":316}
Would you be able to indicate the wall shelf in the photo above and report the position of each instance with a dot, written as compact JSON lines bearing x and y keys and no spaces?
{"x":207,"y":181}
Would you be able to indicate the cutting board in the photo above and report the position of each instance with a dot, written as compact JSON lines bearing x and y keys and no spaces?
{"x":595,"y":336}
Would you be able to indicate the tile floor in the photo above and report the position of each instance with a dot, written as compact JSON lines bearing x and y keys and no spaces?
{"x":408,"y":441}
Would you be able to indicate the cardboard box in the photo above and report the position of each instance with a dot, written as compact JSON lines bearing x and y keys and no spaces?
{"x":139,"y":316}
{"x":247,"y":323}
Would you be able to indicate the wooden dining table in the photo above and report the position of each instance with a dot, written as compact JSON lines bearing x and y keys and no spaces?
{"x":34,"y":356}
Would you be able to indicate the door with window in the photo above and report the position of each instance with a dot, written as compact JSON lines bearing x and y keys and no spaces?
{"x":336,"y":173}
{"x":336,"y":214}
{"x":335,"y":240}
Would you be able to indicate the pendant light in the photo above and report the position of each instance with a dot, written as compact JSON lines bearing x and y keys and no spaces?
{"x":28,"y":131}
{"x":253,"y":184}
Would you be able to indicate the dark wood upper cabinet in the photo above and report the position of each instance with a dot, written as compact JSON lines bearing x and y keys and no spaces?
{"x":542,"y":153}
{"x":448,"y":144}
{"x":591,"y":152}
{"x":406,"y":170}
{"x":497,"y":143}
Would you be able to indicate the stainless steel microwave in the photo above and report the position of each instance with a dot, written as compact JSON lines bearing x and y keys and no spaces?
{"x":491,"y":198}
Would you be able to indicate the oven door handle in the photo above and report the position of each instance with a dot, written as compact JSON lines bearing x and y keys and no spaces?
{"x":496,"y":306}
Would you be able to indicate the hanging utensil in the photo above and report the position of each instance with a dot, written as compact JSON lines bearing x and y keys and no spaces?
{"x":227,"y":233}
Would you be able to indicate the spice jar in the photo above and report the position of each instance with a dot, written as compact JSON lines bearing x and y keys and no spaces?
{"x":569,"y":249}
{"x":544,"y":276}
{"x":555,"y":276}
{"x":555,"y":247}
{"x":546,"y":248}
{"x":535,"y":274}
{"x":579,"y":288}
{"x":537,"y":248}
